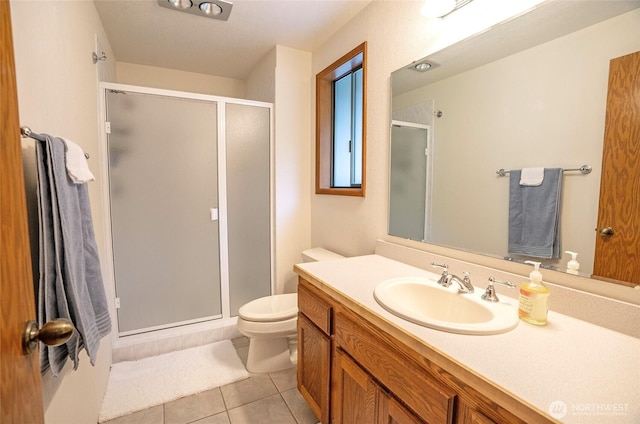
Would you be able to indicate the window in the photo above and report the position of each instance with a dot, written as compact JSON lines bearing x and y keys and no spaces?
{"x":341,"y":125}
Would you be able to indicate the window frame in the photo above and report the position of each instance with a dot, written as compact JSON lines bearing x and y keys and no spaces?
{"x":353,"y":60}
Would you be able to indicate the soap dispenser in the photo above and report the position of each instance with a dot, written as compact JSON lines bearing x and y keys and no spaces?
{"x":572,"y":266}
{"x":534,"y":298}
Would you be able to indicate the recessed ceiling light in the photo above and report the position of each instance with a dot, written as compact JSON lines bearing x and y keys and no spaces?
{"x":210,"y":8}
{"x":181,"y":4}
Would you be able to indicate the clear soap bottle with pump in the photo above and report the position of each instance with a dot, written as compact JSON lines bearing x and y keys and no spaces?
{"x":534,"y":298}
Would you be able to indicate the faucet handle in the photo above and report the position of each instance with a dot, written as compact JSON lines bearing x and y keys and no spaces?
{"x":466,"y":278}
{"x":490,"y":294}
{"x":445,"y":278}
{"x":445,"y":267}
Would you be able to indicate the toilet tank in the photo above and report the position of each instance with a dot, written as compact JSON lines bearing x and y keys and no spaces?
{"x":317,"y":254}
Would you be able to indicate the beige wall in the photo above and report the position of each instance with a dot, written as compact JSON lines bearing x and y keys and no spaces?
{"x":57,"y":94}
{"x":396,"y":34}
{"x":261,"y":83}
{"x":170,"y":79}
{"x":292,"y":168}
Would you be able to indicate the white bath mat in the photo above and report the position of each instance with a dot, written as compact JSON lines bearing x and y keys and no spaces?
{"x":137,"y":385}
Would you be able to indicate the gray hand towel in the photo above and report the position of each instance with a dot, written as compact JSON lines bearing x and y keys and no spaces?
{"x":70,"y":281}
{"x":534,"y":215}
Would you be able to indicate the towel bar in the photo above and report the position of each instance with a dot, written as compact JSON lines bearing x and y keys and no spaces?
{"x":584,"y":169}
{"x":26,"y":132}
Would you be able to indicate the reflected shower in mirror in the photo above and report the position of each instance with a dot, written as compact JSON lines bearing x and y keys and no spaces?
{"x":492,"y":104}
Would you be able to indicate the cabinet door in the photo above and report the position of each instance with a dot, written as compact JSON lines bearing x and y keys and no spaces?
{"x":354,"y":394}
{"x":468,"y":415}
{"x":393,"y":412}
{"x":314,"y":365}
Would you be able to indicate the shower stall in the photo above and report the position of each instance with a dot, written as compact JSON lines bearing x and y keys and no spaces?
{"x":411,"y":155}
{"x":188,"y":184}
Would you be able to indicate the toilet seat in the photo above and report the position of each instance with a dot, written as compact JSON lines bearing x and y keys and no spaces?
{"x":270,"y":308}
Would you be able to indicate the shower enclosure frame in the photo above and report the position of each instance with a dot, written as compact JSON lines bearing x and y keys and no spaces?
{"x":225,"y":320}
{"x":428,"y":187}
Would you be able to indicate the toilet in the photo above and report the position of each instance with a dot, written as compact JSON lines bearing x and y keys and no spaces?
{"x":270,"y":323}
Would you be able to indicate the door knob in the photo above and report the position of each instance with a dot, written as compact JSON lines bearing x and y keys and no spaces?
{"x":53,"y":333}
{"x":606,"y":232}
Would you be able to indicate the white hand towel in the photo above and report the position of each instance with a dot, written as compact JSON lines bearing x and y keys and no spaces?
{"x":76,"y":161}
{"x":531,"y":176}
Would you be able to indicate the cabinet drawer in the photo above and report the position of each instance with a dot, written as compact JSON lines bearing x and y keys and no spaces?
{"x":311,"y":304}
{"x":400,"y":375}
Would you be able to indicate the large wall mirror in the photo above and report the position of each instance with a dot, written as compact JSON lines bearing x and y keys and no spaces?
{"x":530,"y":92}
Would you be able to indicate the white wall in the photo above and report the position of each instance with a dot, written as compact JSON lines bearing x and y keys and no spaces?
{"x":396,"y":34}
{"x":292,"y":168}
{"x":512,"y":117}
{"x":170,"y":79}
{"x":261,"y":83}
{"x":57,"y":94}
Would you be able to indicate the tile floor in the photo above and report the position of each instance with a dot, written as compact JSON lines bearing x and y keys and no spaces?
{"x":261,"y":399}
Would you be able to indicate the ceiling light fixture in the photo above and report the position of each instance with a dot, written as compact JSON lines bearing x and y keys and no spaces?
{"x":210,"y":8}
{"x":442,"y":8}
{"x":216,"y":9}
{"x":181,"y":4}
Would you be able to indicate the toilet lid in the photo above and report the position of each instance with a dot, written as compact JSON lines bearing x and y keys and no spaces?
{"x":270,"y":308}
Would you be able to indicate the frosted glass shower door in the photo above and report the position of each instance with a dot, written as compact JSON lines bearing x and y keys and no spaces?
{"x":163,"y":182}
{"x":248,"y":136}
{"x":408,"y":182}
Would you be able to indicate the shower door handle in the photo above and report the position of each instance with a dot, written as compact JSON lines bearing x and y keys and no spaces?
{"x":214,"y":214}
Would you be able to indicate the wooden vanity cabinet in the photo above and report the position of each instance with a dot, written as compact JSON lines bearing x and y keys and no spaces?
{"x":351,"y":371}
{"x":401,"y":377}
{"x":314,"y":349}
{"x":357,"y":398}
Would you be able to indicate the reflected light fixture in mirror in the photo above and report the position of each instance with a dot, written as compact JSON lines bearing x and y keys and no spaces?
{"x":423,"y":66}
{"x":441,"y":8}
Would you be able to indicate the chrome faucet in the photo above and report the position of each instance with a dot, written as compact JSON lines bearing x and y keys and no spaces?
{"x":464,"y":285}
{"x":446,"y":279}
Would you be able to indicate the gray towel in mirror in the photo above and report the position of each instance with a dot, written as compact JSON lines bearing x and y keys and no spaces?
{"x":534,"y":215}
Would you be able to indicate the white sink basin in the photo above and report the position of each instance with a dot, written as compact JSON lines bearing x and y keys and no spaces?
{"x":422,"y":301}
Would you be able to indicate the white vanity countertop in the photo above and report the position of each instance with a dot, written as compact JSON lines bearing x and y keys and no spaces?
{"x":593,"y":371}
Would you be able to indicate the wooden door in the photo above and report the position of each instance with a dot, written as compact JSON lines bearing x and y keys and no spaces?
{"x":20,"y":391}
{"x":354,"y":394}
{"x":617,"y":257}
